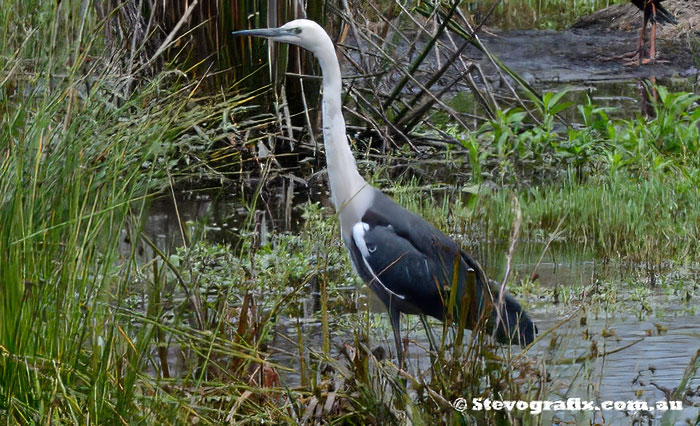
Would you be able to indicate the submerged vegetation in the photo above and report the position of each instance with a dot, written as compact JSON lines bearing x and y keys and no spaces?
{"x":99,"y":324}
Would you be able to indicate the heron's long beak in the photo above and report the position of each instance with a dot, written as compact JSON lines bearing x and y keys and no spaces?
{"x":263,"y":32}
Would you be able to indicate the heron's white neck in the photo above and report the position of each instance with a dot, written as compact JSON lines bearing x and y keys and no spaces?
{"x":346,"y":183}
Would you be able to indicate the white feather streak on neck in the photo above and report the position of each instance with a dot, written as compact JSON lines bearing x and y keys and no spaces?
{"x":347,"y":186}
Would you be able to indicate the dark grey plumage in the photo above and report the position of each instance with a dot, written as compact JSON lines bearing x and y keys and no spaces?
{"x":663,"y":16}
{"x":412,"y":267}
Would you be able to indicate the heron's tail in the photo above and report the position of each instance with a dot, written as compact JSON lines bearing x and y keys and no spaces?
{"x":514,"y":326}
{"x":663,"y":16}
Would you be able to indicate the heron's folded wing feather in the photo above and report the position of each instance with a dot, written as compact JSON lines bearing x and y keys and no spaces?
{"x":401,"y":269}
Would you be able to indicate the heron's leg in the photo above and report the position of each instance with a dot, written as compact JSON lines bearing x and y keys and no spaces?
{"x":641,"y":39}
{"x":635,"y":56}
{"x":652,"y":37}
{"x":652,"y":47}
{"x":642,"y":36}
{"x":429,"y":333}
{"x":395,"y":316}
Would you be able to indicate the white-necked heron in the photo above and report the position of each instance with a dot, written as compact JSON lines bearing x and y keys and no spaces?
{"x":409,"y":264}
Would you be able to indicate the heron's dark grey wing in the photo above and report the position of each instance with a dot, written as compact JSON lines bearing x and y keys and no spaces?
{"x":403,"y":277}
{"x":664,"y":16}
{"x":513,"y":325}
{"x":422,"y":235}
{"x":407,"y":240}
{"x":448,"y":260}
{"x":418,"y":242}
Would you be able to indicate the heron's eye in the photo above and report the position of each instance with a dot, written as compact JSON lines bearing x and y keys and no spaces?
{"x":297,"y":31}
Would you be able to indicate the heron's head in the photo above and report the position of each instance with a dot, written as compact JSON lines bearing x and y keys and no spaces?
{"x":302,"y":32}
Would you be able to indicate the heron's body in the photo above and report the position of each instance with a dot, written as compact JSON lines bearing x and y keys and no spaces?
{"x":654,"y":13}
{"x":410,"y":265}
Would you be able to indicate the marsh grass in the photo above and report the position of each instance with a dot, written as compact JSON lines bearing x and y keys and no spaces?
{"x":541,"y":14}
{"x":78,"y":162}
{"x":74,"y":169}
{"x":623,"y":188}
{"x":638,"y":221}
{"x":90,"y":333}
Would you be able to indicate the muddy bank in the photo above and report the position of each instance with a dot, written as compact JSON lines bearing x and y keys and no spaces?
{"x":582,"y":55}
{"x":590,"y":50}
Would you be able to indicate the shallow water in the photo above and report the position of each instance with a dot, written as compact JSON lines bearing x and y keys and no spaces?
{"x":660,"y":358}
